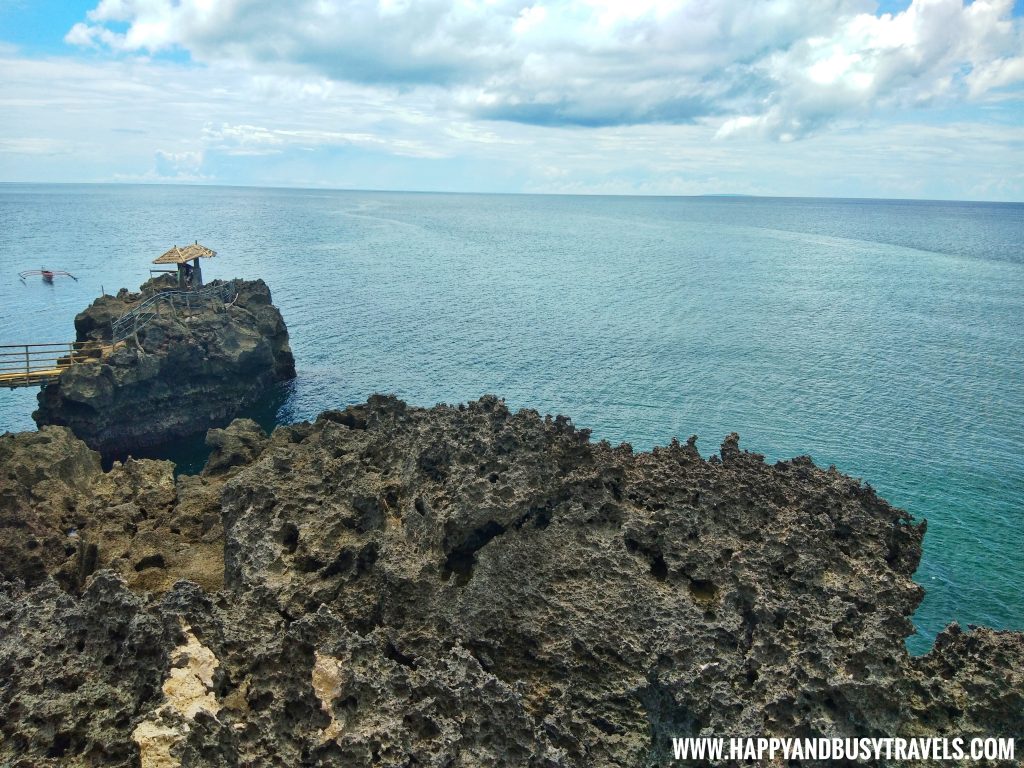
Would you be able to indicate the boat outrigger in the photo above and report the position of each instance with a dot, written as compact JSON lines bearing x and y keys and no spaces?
{"x":46,"y":274}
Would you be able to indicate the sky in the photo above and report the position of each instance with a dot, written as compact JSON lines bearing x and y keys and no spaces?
{"x":831,"y":98}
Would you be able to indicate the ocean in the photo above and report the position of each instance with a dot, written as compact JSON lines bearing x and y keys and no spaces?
{"x":884,"y":337}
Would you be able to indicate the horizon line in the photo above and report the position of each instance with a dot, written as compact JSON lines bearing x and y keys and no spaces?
{"x":298,"y":188}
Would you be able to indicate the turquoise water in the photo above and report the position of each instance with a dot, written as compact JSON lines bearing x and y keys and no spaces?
{"x":886,"y":338}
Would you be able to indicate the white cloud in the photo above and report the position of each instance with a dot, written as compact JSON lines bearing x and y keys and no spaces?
{"x":935,"y":51}
{"x":35,"y":145}
{"x":994,"y":74}
{"x":178,"y":165}
{"x":164,"y":105}
{"x":595,"y":97}
{"x":256,"y":140}
{"x":785,"y":68}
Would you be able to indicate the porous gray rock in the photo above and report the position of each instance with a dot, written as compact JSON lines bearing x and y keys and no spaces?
{"x":62,"y":517}
{"x":465,"y":586}
{"x":43,"y":476}
{"x":238,"y":443}
{"x":184,"y":372}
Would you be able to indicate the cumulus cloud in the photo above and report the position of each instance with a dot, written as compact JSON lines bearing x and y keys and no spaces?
{"x":936,"y":51}
{"x":178,"y":165}
{"x":227,"y":125}
{"x":781,"y":68}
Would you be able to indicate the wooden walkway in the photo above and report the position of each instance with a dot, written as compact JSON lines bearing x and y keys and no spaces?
{"x":33,"y":365}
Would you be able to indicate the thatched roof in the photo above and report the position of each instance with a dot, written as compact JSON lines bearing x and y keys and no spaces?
{"x":186,"y":253}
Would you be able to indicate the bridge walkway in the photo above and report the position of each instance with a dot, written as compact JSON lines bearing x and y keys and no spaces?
{"x":33,"y":365}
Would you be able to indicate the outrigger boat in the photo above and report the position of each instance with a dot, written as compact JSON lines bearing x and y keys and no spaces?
{"x":46,"y":274}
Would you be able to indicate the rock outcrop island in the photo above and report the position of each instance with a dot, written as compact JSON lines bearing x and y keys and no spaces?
{"x":186,"y":369}
{"x":460,"y":586}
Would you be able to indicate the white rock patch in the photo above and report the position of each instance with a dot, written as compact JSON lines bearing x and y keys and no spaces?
{"x":188,"y":690}
{"x":327,"y":684}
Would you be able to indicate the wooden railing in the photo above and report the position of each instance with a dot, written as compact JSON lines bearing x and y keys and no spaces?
{"x":27,"y":365}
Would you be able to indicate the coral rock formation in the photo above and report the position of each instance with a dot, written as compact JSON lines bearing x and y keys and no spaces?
{"x":465,"y":586}
{"x":190,"y":369}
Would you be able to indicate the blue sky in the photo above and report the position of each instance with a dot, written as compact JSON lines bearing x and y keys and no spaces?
{"x":778,"y":97}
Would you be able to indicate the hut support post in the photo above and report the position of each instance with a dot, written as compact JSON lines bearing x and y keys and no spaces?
{"x":197,"y":274}
{"x":181,"y":277}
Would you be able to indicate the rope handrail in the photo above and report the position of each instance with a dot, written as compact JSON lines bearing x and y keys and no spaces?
{"x":136,"y":318}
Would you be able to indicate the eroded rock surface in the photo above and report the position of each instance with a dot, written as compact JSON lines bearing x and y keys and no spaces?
{"x":465,"y":586}
{"x":62,"y":517}
{"x":191,"y":369}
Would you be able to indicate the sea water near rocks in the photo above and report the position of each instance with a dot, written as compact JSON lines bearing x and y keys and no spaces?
{"x":885,"y":337}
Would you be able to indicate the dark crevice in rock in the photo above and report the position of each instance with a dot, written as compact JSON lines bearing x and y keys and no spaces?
{"x":392,"y":652}
{"x":461,"y":558}
{"x":290,"y":537}
{"x":367,"y":558}
{"x":353,"y":418}
{"x":63,"y":743}
{"x":668,"y":718}
{"x":88,"y":557}
{"x":434,"y":461}
{"x":540,"y":516}
{"x":364,"y":625}
{"x":370,"y":513}
{"x":341,"y":564}
{"x":150,"y":561}
{"x":606,"y":726}
{"x":481,"y":651}
{"x":703,"y":591}
{"x":659,"y":568}
{"x":309,"y":564}
{"x":260,"y":700}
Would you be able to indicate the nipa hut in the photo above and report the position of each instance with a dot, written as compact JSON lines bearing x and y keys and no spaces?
{"x":189,"y":275}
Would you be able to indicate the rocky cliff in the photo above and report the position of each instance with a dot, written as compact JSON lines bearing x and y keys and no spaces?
{"x":460,"y":586}
{"x":187,"y":370}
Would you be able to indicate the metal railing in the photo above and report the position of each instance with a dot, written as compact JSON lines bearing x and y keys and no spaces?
{"x":26,"y":365}
{"x":135,"y":319}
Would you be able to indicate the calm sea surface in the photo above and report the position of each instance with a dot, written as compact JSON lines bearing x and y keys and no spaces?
{"x":886,"y":338}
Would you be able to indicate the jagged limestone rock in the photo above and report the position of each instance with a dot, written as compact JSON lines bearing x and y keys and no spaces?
{"x":465,"y":586}
{"x":61,"y":516}
{"x":191,"y":370}
{"x":239,"y":443}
